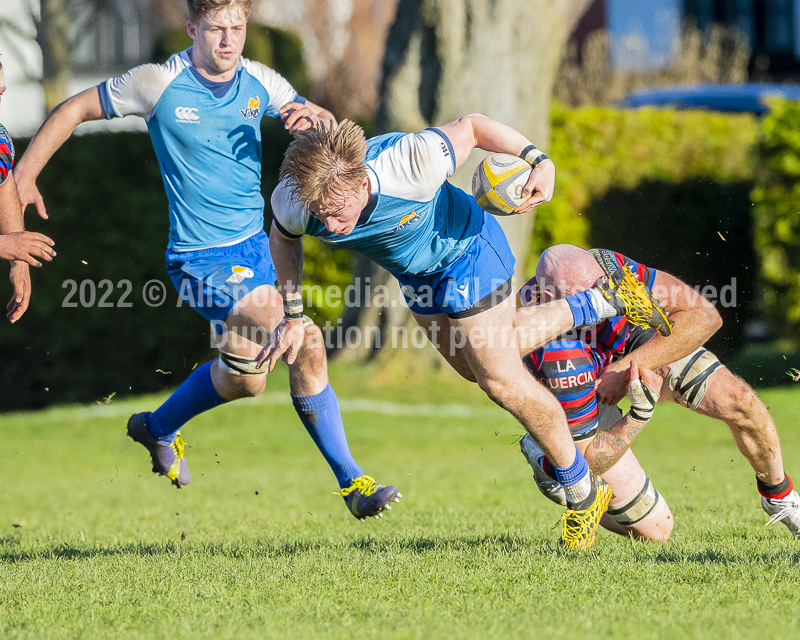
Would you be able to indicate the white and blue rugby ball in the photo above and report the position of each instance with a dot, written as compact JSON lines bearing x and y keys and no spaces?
{"x":498,"y":182}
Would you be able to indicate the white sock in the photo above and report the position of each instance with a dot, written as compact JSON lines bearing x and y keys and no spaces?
{"x":602,"y":307}
{"x":579,"y":491}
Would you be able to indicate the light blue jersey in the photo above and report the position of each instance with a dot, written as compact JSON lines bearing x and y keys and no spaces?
{"x":416,"y":222}
{"x":207,"y":137}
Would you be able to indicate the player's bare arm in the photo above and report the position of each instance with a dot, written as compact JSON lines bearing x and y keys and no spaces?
{"x":287,"y":256}
{"x":694,"y":321}
{"x":609,"y":445}
{"x":21,"y":247}
{"x":478,"y":131}
{"x":58,"y":126}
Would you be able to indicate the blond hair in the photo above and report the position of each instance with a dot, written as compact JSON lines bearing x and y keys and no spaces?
{"x":198,"y":9}
{"x":325,"y":162}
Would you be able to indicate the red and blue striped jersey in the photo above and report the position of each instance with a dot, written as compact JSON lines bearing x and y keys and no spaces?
{"x":6,"y":154}
{"x":569,"y":367}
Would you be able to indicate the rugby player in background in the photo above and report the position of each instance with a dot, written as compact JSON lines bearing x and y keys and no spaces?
{"x":21,"y":247}
{"x":203,"y":109}
{"x":388,"y":198}
{"x":590,"y":374}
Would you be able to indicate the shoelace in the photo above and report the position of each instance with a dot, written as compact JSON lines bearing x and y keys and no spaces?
{"x":366,"y":485}
{"x":577,"y":531}
{"x":790,"y":506}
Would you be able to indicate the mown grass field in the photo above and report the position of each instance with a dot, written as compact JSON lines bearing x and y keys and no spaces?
{"x":258,"y":547}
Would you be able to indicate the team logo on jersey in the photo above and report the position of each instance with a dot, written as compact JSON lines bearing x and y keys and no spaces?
{"x":253,"y":108}
{"x":240,"y":274}
{"x":407,"y":221}
{"x":187,"y":115}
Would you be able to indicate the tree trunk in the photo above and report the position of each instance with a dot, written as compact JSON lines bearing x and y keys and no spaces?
{"x":448,"y":58}
{"x":52,"y":36}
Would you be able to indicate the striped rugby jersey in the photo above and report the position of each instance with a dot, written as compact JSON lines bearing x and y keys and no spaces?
{"x":569,"y":367}
{"x":6,"y":154}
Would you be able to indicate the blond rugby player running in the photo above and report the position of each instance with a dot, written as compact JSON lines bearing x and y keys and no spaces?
{"x":388,"y":198}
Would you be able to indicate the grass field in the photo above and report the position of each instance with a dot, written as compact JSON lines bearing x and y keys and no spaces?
{"x":258,"y":547}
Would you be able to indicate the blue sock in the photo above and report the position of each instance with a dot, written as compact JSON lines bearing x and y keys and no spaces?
{"x":575,"y":479}
{"x":322,"y":419}
{"x":192,"y":398}
{"x":583,"y":311}
{"x":574,"y":473}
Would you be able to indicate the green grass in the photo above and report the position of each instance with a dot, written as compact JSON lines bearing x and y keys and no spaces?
{"x":469,"y":552}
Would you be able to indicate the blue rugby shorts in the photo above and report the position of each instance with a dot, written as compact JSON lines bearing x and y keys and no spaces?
{"x":478,"y":280}
{"x":211,"y":281}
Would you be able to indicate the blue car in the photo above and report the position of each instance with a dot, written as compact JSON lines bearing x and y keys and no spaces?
{"x":749,"y":98}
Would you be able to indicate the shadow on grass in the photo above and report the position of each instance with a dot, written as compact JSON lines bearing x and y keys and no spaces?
{"x":12,"y":551}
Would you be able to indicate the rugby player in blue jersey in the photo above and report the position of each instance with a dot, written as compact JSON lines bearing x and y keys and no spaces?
{"x":388,"y":198}
{"x":203,"y":109}
{"x":21,"y":247}
{"x":588,"y":374}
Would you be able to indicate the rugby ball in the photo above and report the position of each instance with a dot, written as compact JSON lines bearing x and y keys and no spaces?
{"x":498,"y":181}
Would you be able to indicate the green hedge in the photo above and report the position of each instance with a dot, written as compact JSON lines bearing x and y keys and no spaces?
{"x":108,"y":216}
{"x":669,"y":188}
{"x":777,"y":229}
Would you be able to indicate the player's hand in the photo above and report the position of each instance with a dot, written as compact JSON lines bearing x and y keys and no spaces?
{"x":26,"y":246}
{"x":539,"y":187}
{"x":286,"y":339}
{"x":643,"y":393}
{"x":21,"y":279}
{"x":297,"y":117}
{"x":29,"y":193}
{"x":612,"y":385}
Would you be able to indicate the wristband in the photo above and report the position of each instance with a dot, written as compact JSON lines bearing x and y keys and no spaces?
{"x":293,"y":309}
{"x":533,"y":156}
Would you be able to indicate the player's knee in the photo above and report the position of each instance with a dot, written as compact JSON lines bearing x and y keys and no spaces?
{"x":242,"y":376}
{"x":658,"y":528}
{"x":252,"y":387}
{"x":643,"y":514}
{"x":498,"y":389}
{"x":313,"y":342}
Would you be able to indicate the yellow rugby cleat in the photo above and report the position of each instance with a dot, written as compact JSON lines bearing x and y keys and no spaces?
{"x":581,"y":525}
{"x":632,"y":299}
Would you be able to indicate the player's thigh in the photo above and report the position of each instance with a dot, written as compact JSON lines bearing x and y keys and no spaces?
{"x":728,"y":397}
{"x":490,"y":342}
{"x":256,"y":315}
{"x":442,"y":336}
